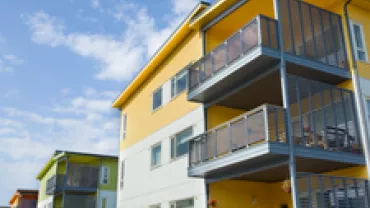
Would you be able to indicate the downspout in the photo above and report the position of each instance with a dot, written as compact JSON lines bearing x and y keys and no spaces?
{"x":358,"y":94}
{"x":286,"y":104}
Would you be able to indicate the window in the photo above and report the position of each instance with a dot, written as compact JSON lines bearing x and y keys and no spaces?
{"x":104,"y":202}
{"x":123,"y":128}
{"x":187,"y":203}
{"x":179,"y":145}
{"x":157,"y":98}
{"x":122,"y":174}
{"x":104,"y":178}
{"x":358,"y":42}
{"x":156,"y":155}
{"x":179,"y":83}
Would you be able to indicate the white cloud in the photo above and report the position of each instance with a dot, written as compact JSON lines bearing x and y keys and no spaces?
{"x":119,"y":57}
{"x":65,"y":91}
{"x":13,"y":59}
{"x":12,"y":94}
{"x":8,"y":62}
{"x":95,"y":3}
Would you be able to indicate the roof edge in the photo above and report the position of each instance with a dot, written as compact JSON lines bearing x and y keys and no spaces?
{"x":147,"y":69}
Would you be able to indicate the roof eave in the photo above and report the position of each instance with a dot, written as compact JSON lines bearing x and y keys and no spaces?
{"x":182,"y":30}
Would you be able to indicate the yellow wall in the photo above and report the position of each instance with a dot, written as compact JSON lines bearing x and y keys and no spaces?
{"x":355,"y":172}
{"x":237,"y":194}
{"x":217,"y":115}
{"x":141,"y":120}
{"x":235,"y":21}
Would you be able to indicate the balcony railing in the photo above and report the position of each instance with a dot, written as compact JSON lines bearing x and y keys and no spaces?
{"x":265,"y":123}
{"x":78,"y":177}
{"x":261,"y":31}
{"x":80,"y":201}
{"x":316,"y":191}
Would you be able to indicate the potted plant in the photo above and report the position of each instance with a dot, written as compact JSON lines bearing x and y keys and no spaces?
{"x":212,"y":202}
{"x":286,"y":186}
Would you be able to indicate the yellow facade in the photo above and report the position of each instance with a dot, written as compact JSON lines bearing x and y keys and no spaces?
{"x":141,"y":119}
{"x":236,"y":20}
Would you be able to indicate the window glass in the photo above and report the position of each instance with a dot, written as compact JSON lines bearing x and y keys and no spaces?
{"x":156,"y":155}
{"x":122,"y":174}
{"x":123,"y":128}
{"x":178,"y":83}
{"x":104,"y":175}
{"x":359,"y":42}
{"x":179,"y":144}
{"x":187,"y":203}
{"x":157,"y":98}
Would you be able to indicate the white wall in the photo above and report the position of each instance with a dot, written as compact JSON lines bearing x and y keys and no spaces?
{"x":45,"y":202}
{"x":144,"y":186}
{"x":110,"y":196}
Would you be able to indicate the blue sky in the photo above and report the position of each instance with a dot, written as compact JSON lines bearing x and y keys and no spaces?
{"x":62,"y":63}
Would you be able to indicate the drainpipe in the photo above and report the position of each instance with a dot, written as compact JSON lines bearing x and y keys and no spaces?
{"x":286,"y":104}
{"x":358,"y":94}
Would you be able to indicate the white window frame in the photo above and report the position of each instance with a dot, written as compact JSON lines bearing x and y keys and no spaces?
{"x":354,"y":43}
{"x":122,"y":175}
{"x":174,"y":79}
{"x":155,"y":91}
{"x":173,"y":203}
{"x":123,"y":126}
{"x":173,"y":138}
{"x":102,"y":176}
{"x":159,"y":144}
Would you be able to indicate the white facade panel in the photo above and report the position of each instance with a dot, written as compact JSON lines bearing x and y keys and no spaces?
{"x":44,"y":203}
{"x":110,"y":197}
{"x":145,"y":186}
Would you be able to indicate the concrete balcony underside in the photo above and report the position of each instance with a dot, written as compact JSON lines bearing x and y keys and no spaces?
{"x":268,"y":162}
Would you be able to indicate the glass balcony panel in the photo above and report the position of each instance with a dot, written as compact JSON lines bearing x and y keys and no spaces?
{"x":234,"y":47}
{"x":220,"y":57}
{"x":222,"y":138}
{"x":250,"y":36}
{"x":239,"y":134}
{"x":208,"y":67}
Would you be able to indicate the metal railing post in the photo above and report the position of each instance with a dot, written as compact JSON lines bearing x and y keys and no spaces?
{"x":230,"y":138}
{"x":265,"y":117}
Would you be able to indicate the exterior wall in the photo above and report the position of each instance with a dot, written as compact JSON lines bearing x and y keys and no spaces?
{"x":240,"y":17}
{"x":110,"y":197}
{"x":236,"y":194}
{"x":42,"y":190}
{"x":217,"y":115}
{"x":45,"y":202}
{"x":113,"y":171}
{"x":139,"y":107}
{"x":144,"y":186}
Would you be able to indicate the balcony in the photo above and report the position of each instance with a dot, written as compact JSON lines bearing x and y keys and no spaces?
{"x":255,"y":44}
{"x":254,"y":146}
{"x":80,"y":201}
{"x":313,"y":46}
{"x":79,"y":178}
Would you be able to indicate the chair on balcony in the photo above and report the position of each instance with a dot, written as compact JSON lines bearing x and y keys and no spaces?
{"x":339,"y":139}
